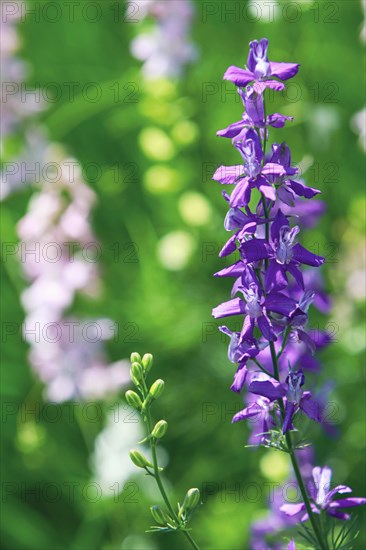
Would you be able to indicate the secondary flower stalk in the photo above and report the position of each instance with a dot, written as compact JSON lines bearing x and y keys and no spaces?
{"x":142,"y":400}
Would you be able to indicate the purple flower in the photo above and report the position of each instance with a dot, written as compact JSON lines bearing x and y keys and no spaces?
{"x":295,"y":398}
{"x":313,"y":281}
{"x":243,"y":223}
{"x":239,"y":352}
{"x":307,"y":213}
{"x":284,"y":254}
{"x":288,"y":188}
{"x":323,"y":497}
{"x":260,"y":69}
{"x":252,"y":174}
{"x":255,"y":307}
{"x":261,"y":419}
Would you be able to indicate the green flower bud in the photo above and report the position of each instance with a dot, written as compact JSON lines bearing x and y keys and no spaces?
{"x":191,"y":500}
{"x":147,"y":362}
{"x":159,"y":515}
{"x":134,"y":379}
{"x":160,"y":429}
{"x":133,"y":399}
{"x":139,"y":459}
{"x":157,"y":388}
{"x":137,"y":373}
{"x":135,"y":357}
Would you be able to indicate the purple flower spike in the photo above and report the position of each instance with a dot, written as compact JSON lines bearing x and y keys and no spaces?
{"x":272,"y":294}
{"x":323,"y":497}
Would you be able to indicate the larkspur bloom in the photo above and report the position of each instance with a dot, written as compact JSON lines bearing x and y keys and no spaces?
{"x":260,"y":70}
{"x":255,"y":306}
{"x":323,"y":497}
{"x":291,"y":392}
{"x":259,"y":412}
{"x":288,"y":188}
{"x":240,"y":222}
{"x":250,"y":175}
{"x":284,"y":253}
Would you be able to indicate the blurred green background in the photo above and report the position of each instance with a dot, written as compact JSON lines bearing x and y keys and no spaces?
{"x":161,"y":137}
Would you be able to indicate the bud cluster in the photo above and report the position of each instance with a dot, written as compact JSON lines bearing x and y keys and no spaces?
{"x":141,"y":399}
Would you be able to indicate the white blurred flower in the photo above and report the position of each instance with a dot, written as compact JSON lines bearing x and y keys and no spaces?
{"x":175,"y":250}
{"x":111,"y":462}
{"x":358,"y":125}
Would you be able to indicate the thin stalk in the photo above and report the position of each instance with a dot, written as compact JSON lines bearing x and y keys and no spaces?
{"x":261,"y":366}
{"x":160,"y":483}
{"x":284,"y":342}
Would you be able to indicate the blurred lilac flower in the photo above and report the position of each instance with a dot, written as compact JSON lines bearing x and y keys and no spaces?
{"x":67,"y":358}
{"x":314,"y":282}
{"x":166,"y":48}
{"x":276,"y":520}
{"x":323,"y":497}
{"x":305,"y":212}
{"x":18,"y":109}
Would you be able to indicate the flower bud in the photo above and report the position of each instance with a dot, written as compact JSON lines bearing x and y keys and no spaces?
{"x":191,"y":500}
{"x":160,"y":429}
{"x":135,"y":357}
{"x":133,"y":399}
{"x":157,"y":388}
{"x":137,"y":373}
{"x":159,"y":515}
{"x":139,"y":459}
{"x":147,"y":362}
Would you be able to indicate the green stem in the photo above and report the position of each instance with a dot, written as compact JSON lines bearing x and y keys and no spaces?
{"x":284,"y":342}
{"x":156,"y":468}
{"x":265,"y":210}
{"x":261,"y":366}
{"x":160,"y":483}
